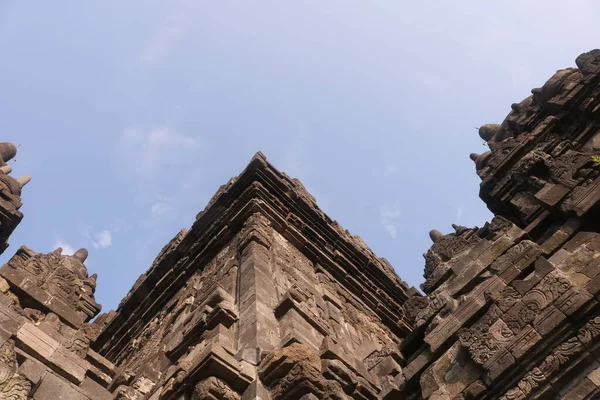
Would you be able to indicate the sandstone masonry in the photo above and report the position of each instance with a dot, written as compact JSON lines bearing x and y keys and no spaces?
{"x":265,"y":297}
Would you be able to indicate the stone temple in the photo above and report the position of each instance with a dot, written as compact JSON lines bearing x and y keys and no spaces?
{"x":265,"y":297}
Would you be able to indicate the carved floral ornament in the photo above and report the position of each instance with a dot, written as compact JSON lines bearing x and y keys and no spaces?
{"x":12,"y":385}
{"x":63,"y":276}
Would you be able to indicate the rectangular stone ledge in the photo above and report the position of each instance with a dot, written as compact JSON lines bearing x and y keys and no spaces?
{"x":357,"y":387}
{"x":39,"y":345}
{"x":214,"y":360}
{"x":288,"y":303}
{"x":332,"y":350}
{"x":524,"y":341}
{"x":418,"y":364}
{"x":295,"y":327}
{"x":70,"y":365}
{"x":31,"y":339}
{"x":53,"y":387}
{"x":99,"y":377}
{"x":594,"y":376}
{"x":551,"y":194}
{"x":33,"y":370}
{"x":548,"y":320}
{"x":95,"y":391}
{"x":100,"y":362}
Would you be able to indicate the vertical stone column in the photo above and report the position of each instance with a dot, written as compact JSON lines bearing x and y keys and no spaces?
{"x":258,"y":327}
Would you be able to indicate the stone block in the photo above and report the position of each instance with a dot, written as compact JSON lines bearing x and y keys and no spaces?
{"x":593,"y":286}
{"x":4,"y":286}
{"x":100,"y":362}
{"x":594,"y":245}
{"x":95,"y":391}
{"x":555,"y":241}
{"x":509,"y":274}
{"x":71,"y":366}
{"x":417,"y":364}
{"x":32,"y":370}
{"x":581,"y":390}
{"x":499,"y":363}
{"x":55,"y":388}
{"x":592,"y":269}
{"x":594,"y":377}
{"x":580,"y":239}
{"x":572,"y":300}
{"x":36,"y":341}
{"x":548,"y":320}
{"x":450,"y":374}
{"x":10,"y":321}
{"x":551,"y":194}
{"x":257,"y":391}
{"x":475,"y":389}
{"x":496,"y":250}
{"x":4,"y":335}
{"x":559,"y":257}
{"x":523,"y":341}
{"x":12,"y":275}
{"x":542,"y":268}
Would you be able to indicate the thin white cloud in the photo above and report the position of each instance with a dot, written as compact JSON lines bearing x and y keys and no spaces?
{"x":146,"y":153}
{"x":158,"y":162}
{"x":160,"y":209}
{"x":388,"y":218}
{"x":102,"y":240}
{"x":67,"y":249}
{"x":118,"y":224}
{"x":161,"y":43}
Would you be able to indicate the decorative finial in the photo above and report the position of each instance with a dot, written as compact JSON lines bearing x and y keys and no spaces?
{"x":487,"y":131}
{"x":23,"y":180}
{"x":7,"y":151}
{"x":81,"y":255}
{"x":459,"y":229}
{"x":474,"y":156}
{"x":516,"y":107}
{"x":58,"y":251}
{"x":6,"y":169}
{"x":435,"y":235}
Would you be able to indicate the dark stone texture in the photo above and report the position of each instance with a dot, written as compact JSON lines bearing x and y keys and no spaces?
{"x":265,"y":297}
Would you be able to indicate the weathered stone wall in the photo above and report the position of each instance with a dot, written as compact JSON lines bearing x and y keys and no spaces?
{"x":45,"y":303}
{"x":265,"y":297}
{"x":241,"y":318}
{"x":512,"y":309}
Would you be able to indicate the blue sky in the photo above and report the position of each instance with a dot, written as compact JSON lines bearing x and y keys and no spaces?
{"x":129,"y":115}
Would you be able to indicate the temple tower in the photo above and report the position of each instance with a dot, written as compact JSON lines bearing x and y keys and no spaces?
{"x":263,"y":297}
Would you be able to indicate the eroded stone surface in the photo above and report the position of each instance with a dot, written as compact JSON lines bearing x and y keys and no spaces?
{"x":265,"y":297}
